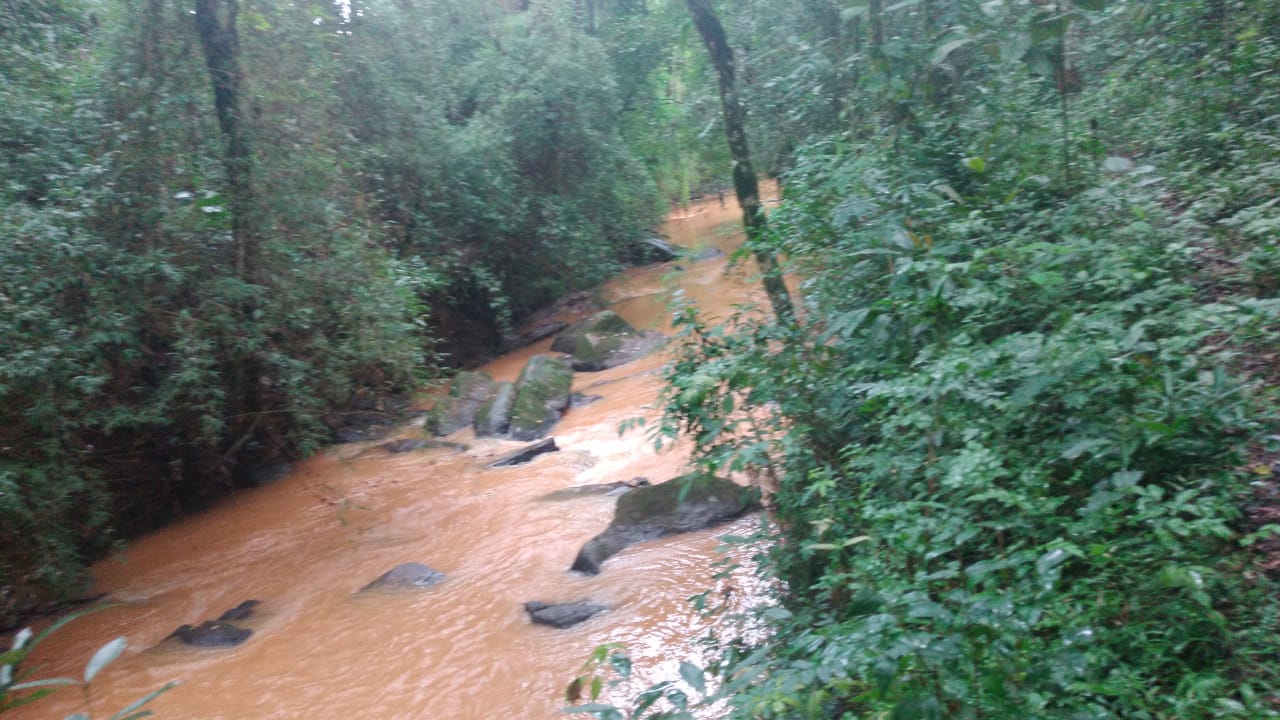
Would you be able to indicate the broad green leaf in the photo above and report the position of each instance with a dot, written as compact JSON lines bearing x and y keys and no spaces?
{"x":693,"y":675}
{"x":106,"y":655}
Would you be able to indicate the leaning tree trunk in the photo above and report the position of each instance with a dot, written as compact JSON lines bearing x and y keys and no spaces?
{"x":744,"y":176}
{"x":216,"y":25}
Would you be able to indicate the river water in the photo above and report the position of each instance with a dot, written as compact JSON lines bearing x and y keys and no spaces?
{"x":463,"y":650}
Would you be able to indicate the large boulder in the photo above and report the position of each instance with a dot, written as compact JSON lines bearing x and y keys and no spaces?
{"x":603,"y":341}
{"x":541,"y":396}
{"x":406,"y":576}
{"x":562,"y":615}
{"x":594,"y":353}
{"x":468,"y":392}
{"x":657,"y":511}
{"x":605,"y":322}
{"x":494,"y":416}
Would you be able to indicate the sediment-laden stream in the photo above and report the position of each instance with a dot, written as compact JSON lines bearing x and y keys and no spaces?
{"x":464,"y":649}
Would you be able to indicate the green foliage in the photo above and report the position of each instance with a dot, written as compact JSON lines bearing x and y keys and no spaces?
{"x":421,"y":178}
{"x":1001,"y":445}
{"x":18,"y":687}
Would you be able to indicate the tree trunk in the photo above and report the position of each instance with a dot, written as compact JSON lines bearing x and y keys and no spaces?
{"x":216,"y":25}
{"x":744,"y":176}
{"x":222,"y":58}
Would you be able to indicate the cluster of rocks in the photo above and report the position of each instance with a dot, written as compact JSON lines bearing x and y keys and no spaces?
{"x":645,"y":512}
{"x":528,"y":408}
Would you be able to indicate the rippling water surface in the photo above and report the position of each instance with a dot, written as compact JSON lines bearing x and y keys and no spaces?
{"x":463,"y":650}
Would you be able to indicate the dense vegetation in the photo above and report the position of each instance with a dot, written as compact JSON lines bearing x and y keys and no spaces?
{"x":225,"y":223}
{"x":1005,"y":438}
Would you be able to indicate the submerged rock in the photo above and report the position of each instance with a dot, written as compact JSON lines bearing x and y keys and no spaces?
{"x":541,"y":396}
{"x":577,"y":400}
{"x":469,"y":391}
{"x":608,"y":489}
{"x":240,"y":612}
{"x":213,"y":633}
{"x":494,"y":417}
{"x":562,"y":615}
{"x":411,"y":575}
{"x":656,"y":511}
{"x":526,"y":454}
{"x":404,"y":445}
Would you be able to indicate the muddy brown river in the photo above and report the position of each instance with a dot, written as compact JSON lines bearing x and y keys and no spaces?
{"x":462,"y":650}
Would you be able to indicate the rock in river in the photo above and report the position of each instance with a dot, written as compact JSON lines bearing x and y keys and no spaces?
{"x":412,"y":575}
{"x":656,"y":511}
{"x":604,"y":341}
{"x":212,"y":633}
{"x":562,"y":615}
{"x":469,"y":391}
{"x":542,"y":394}
{"x":526,"y":453}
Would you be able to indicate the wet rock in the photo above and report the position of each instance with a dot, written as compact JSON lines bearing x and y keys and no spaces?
{"x":469,"y":391}
{"x":538,"y":331}
{"x":239,"y":612}
{"x":411,"y":576}
{"x":656,"y":511}
{"x":607,"y":489}
{"x":577,"y":400}
{"x":602,"y":352}
{"x":213,"y":633}
{"x":526,"y":454}
{"x":605,"y":322}
{"x":705,"y":253}
{"x":264,"y":475}
{"x":655,"y":249}
{"x":364,"y":426}
{"x":562,"y":615}
{"x":403,"y":445}
{"x":541,"y":396}
{"x":494,"y":416}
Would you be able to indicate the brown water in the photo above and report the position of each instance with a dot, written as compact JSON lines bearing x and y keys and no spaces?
{"x":463,"y":650}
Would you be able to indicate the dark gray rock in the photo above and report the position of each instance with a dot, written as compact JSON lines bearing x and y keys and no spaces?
{"x":532,"y":335}
{"x":656,"y":511}
{"x":469,"y":391}
{"x":577,"y":400}
{"x":526,"y":454}
{"x":264,"y":475}
{"x":608,"y":489}
{"x":364,"y":426}
{"x":240,"y":612}
{"x":605,"y":322}
{"x":412,"y":576}
{"x":656,"y":249}
{"x":602,"y":352}
{"x":494,"y":416}
{"x":404,"y":445}
{"x":562,"y":615}
{"x":212,"y":633}
{"x":542,"y":394}
{"x":709,"y":252}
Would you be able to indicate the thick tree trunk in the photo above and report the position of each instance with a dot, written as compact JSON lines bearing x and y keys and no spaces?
{"x":744,"y":176}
